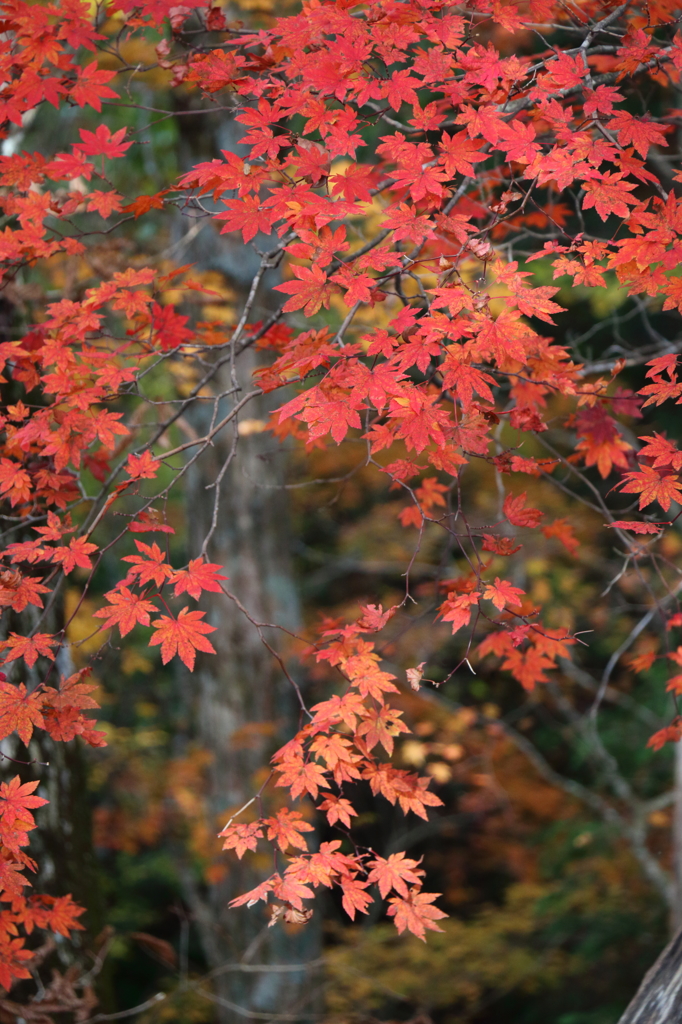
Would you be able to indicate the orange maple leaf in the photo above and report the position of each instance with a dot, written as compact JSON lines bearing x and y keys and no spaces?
{"x":415,"y":913}
{"x":652,"y":486}
{"x":183,"y":636}
{"x":76,"y":554}
{"x":15,"y":801}
{"x":198,"y":576}
{"x":338,"y":809}
{"x":287,"y":828}
{"x":28,"y":647}
{"x":563,"y":531}
{"x":73,"y":692}
{"x":394,"y":873}
{"x":261,"y":892}
{"x":354,"y":898}
{"x":516,"y":512}
{"x":61,"y":914}
{"x":502,"y":593}
{"x":241,"y":837}
{"x":457,"y":608}
{"x":144,"y":466}
{"x":20,"y":711}
{"x":125,"y":610}
{"x":302,"y":777}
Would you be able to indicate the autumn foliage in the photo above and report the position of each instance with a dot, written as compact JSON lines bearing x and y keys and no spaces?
{"x":408,"y":159}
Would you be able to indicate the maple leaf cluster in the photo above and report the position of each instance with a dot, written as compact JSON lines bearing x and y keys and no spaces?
{"x":392,"y":159}
{"x":57,"y":423}
{"x":339,"y":745}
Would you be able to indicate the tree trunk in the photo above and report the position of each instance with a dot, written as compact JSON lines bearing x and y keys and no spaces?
{"x":676,"y":916}
{"x":659,"y":997}
{"x":245,"y":705}
{"x":245,"y":708}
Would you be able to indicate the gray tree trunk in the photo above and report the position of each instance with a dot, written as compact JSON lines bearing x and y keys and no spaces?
{"x":676,"y":915}
{"x":245,"y":706}
{"x":659,"y":998}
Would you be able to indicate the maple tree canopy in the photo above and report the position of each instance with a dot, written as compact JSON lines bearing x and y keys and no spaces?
{"x":424,"y":171}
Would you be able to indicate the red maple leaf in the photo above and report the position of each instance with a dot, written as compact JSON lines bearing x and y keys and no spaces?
{"x":150,"y":566}
{"x":183,"y":636}
{"x":90,"y":87}
{"x":459,"y":153}
{"x":485,"y":121}
{"x":27,"y":591}
{"x":326,"y":409}
{"x":420,"y":420}
{"x":528,"y":667}
{"x":500,"y":545}
{"x":421,"y":180}
{"x":61,"y":914}
{"x":374,"y":618}
{"x":636,"y":527}
{"x":400,"y":89}
{"x":669,"y":734}
{"x":246,"y":215}
{"x":638,"y":131}
{"x":353,"y":183}
{"x":101,"y":142}
{"x":665,"y":453}
{"x":73,"y":692}
{"x":466,"y":380}
{"x":518,"y":141}
{"x":516,"y":512}
{"x":149,"y":522}
{"x":261,"y":892}
{"x":13,"y":958}
{"x":309,"y":292}
{"x":609,"y":194}
{"x":293,"y":891}
{"x":14,"y":482}
{"x":380,"y":725}
{"x":104,"y":203}
{"x":143,"y":204}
